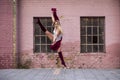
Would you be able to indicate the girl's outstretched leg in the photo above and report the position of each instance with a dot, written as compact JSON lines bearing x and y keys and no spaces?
{"x":50,"y":36}
{"x":41,"y":26}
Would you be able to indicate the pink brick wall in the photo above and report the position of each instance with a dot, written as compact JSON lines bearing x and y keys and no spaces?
{"x":70,"y":10}
{"x":6,"y":34}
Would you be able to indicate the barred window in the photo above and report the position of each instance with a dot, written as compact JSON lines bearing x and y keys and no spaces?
{"x":92,"y":34}
{"x":41,"y":41}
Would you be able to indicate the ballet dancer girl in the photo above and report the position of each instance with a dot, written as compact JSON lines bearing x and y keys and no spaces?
{"x":57,"y":35}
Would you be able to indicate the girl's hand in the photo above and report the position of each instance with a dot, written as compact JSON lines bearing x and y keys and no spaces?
{"x":53,"y":9}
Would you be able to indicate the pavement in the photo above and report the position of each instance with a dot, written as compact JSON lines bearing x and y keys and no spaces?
{"x":59,"y":74}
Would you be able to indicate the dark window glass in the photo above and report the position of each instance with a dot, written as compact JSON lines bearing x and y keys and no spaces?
{"x":83,"y":48}
{"x":101,"y":30}
{"x":89,"y":30}
{"x":83,"y":22}
{"x":37,"y":40}
{"x":43,"y":39}
{"x":101,"y":40}
{"x":89,"y":48}
{"x":95,"y":22}
{"x":43,"y":48}
{"x":89,"y":22}
{"x":37,"y":30}
{"x":83,"y":30}
{"x":95,"y":39}
{"x":101,"y":48}
{"x":94,"y":30}
{"x":37,"y":48}
{"x":83,"y":39}
{"x":101,"y":22}
{"x":95,"y":48}
{"x":89,"y":39}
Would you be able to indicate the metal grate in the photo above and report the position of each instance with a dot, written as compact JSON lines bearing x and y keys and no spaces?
{"x":92,"y":34}
{"x":41,"y":41}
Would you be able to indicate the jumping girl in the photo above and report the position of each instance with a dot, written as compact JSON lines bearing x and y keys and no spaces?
{"x":57,"y":35}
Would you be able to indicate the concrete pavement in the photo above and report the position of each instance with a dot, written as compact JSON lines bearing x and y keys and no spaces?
{"x":59,"y":74}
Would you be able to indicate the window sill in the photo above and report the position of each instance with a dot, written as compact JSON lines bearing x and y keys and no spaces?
{"x":93,"y":54}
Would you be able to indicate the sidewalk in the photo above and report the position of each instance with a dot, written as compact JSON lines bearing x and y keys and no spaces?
{"x":59,"y":74}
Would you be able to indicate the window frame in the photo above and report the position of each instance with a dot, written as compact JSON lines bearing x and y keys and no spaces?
{"x":42,"y":34}
{"x":98,"y":34}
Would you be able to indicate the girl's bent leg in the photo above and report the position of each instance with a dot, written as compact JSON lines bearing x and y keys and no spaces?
{"x":49,"y":35}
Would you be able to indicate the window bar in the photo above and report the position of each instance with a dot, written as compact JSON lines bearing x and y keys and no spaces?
{"x":40,"y":42}
{"x":34,"y":42}
{"x":98,"y":34}
{"x":81,"y":35}
{"x":104,"y":35}
{"x":46,"y":44}
{"x":86,"y":36}
{"x":34,"y":38}
{"x":46,"y":48}
{"x":92,"y":33}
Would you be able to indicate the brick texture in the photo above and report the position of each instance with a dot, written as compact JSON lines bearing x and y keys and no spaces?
{"x":6,"y":42}
{"x":70,"y":10}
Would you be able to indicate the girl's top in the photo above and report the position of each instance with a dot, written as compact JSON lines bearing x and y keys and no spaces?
{"x":57,"y":37}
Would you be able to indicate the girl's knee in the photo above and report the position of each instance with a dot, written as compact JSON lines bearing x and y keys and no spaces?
{"x":50,"y":36}
{"x":47,"y":32}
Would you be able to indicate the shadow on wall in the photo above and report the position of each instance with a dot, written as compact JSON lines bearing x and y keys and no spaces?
{"x":18,"y":31}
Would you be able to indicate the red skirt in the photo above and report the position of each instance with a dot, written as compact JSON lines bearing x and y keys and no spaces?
{"x":56,"y":46}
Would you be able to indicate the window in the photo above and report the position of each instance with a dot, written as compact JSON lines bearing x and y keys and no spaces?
{"x":92,"y":34}
{"x":41,"y":41}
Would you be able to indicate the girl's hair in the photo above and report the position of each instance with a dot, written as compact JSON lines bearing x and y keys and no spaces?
{"x":58,"y":27}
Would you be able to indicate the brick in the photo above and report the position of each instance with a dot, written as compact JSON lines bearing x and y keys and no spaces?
{"x":6,"y":34}
{"x":71,"y":11}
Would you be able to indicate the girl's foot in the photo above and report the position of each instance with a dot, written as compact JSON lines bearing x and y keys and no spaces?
{"x":65,"y":67}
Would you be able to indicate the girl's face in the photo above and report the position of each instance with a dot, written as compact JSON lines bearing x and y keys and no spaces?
{"x":56,"y":24}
